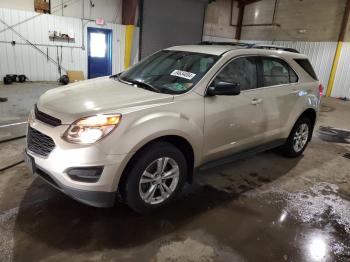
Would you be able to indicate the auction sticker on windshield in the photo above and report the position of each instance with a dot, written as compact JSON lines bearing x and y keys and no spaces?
{"x":183,"y":74}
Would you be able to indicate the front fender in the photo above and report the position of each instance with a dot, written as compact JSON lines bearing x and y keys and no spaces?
{"x":160,"y":124}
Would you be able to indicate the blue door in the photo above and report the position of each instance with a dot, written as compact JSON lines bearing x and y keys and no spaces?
{"x":99,"y":52}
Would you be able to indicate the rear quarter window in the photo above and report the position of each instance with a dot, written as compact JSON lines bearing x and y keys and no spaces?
{"x":306,"y":65}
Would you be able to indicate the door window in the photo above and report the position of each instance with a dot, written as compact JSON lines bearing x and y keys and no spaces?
{"x":98,"y":45}
{"x":277,"y":72}
{"x":242,"y":71}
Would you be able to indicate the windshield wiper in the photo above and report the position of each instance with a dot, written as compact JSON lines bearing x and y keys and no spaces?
{"x":141,"y":83}
{"x":115,"y":76}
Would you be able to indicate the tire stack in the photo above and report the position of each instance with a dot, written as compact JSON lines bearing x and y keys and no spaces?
{"x":10,"y":78}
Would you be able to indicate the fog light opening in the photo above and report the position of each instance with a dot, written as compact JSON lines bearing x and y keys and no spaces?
{"x":85,"y":174}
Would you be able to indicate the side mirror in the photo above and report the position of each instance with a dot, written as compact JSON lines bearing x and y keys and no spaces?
{"x":224,"y":89}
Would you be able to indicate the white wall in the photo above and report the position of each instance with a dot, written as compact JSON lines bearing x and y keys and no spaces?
{"x":24,"y":59}
{"x":27,"y":5}
{"x":110,"y":10}
{"x":341,"y":86}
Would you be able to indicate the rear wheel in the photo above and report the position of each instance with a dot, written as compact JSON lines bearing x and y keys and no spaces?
{"x":157,"y":175}
{"x":298,"y":138}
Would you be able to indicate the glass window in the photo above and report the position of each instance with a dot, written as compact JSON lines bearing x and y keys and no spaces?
{"x":98,"y":45}
{"x":173,"y":72}
{"x":306,"y":65}
{"x":277,"y":72}
{"x":242,"y":71}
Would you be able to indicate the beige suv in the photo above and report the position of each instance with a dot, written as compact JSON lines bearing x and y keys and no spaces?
{"x":141,"y":134}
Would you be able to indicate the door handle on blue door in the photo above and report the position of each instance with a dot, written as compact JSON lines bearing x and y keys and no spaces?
{"x":256,"y":101}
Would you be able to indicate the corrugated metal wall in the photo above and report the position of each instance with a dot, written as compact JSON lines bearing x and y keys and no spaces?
{"x":321,"y":54}
{"x":24,"y":59}
{"x":341,"y":86}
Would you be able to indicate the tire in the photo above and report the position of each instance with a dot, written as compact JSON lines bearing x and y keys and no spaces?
{"x":138,"y":195}
{"x":298,"y":140}
{"x":7,"y":80}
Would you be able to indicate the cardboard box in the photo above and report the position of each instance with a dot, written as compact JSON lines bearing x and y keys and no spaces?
{"x":41,"y":6}
{"x":75,"y":76}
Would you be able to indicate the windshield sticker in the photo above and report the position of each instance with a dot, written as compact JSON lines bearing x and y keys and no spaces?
{"x":183,"y":74}
{"x":177,"y":86}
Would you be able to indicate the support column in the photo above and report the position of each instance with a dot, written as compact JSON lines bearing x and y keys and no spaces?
{"x":129,"y":19}
{"x":339,"y":49}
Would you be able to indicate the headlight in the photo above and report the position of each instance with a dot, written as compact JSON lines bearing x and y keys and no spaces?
{"x":90,"y":129}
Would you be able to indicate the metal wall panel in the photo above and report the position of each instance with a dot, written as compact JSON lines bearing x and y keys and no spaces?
{"x":24,"y":59}
{"x":167,"y":23}
{"x":341,"y":87}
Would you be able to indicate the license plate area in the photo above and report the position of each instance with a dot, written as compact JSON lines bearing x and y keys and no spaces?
{"x":29,"y":160}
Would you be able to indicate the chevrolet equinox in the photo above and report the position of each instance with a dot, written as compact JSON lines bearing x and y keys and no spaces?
{"x":140,"y":135}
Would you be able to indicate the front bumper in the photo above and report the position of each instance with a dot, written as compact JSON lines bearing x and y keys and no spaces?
{"x":91,"y":198}
{"x":53,"y":168}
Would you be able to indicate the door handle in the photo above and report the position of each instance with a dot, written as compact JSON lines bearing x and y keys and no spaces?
{"x":256,"y":101}
{"x":295,"y":91}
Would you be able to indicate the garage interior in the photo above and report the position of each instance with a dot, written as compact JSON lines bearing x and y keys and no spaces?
{"x":261,"y":208}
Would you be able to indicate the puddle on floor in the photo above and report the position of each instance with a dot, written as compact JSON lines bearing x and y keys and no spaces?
{"x":334,"y":135}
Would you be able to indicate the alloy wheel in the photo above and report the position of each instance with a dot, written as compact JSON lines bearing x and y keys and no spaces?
{"x":159,"y":180}
{"x":300,"y":138}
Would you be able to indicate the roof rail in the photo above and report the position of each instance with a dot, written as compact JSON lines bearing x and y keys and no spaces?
{"x":274,"y":47}
{"x":226,"y":43}
{"x":247,"y":45}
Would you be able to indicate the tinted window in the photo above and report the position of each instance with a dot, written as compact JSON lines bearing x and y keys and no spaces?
{"x":306,"y":65}
{"x":242,"y":71}
{"x":277,"y":72}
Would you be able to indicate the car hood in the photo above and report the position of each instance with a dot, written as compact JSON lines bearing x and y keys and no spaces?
{"x":100,"y":95}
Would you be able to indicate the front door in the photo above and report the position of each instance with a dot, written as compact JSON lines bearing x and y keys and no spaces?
{"x":234,"y":123}
{"x":99,"y":52}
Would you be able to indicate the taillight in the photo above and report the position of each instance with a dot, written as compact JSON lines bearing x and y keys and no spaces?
{"x":320,"y":89}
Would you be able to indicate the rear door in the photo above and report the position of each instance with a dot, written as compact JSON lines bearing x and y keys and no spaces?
{"x":234,"y":123}
{"x":280,"y":90}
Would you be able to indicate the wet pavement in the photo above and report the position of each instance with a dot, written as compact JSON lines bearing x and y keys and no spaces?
{"x":263,"y":208}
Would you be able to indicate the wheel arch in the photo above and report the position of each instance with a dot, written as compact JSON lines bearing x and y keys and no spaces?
{"x":179,"y":142}
{"x":311,"y":114}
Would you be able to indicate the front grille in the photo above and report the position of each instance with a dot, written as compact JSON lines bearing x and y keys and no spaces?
{"x":45,"y":118}
{"x":39,"y":143}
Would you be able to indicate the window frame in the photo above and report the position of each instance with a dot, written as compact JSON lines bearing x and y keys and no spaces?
{"x":310,"y":71}
{"x":259,"y":72}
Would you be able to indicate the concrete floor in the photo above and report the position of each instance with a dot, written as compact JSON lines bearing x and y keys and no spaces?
{"x":264,"y":208}
{"x":21,"y":98}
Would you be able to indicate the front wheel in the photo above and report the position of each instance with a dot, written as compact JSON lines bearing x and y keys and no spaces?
{"x":298,"y":138}
{"x":157,"y":175}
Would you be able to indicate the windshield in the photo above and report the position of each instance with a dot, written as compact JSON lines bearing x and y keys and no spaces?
{"x":172,"y":72}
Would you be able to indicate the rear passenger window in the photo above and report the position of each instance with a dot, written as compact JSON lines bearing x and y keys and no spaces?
{"x":277,"y":72}
{"x":242,"y":71}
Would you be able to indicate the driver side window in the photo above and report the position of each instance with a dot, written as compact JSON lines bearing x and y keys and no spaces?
{"x":242,"y":71}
